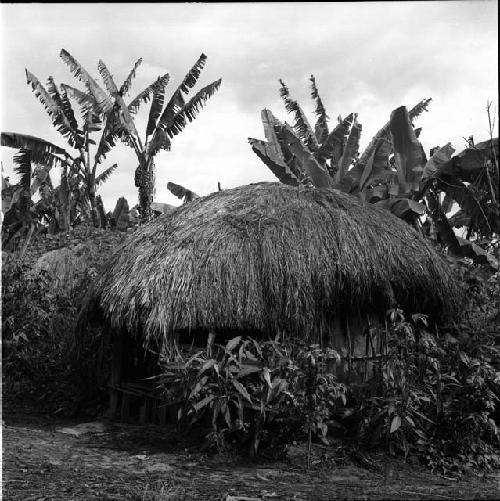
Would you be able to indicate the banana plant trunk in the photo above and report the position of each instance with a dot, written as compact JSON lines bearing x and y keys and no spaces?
{"x":93,"y":207}
{"x":145,"y":183}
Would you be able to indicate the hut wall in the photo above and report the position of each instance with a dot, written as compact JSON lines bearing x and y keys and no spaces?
{"x":358,"y":340}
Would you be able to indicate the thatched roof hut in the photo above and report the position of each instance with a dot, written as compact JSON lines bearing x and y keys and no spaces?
{"x":269,"y":258}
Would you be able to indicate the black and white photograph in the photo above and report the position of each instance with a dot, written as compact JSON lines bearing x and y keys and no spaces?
{"x":250,"y":251}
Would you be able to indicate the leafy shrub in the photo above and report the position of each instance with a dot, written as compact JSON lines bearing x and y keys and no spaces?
{"x":35,"y":323}
{"x":434,"y":393}
{"x":250,"y":392}
{"x":437,"y":398}
{"x":39,"y":317}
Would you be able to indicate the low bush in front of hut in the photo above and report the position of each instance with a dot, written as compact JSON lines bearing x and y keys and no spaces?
{"x":433,"y":396}
{"x":437,"y":397}
{"x":254,"y":394}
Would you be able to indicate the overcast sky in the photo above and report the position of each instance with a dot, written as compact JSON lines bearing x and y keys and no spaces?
{"x":367,"y":58}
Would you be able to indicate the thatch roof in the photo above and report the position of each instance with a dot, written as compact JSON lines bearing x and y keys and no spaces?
{"x":269,"y":257}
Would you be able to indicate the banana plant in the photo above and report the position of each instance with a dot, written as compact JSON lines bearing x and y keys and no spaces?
{"x":95,"y":104}
{"x":298,"y":154}
{"x":393,"y":171}
{"x":164,"y":122}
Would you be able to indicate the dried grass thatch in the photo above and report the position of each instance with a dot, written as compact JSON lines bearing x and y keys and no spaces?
{"x":269,"y":258}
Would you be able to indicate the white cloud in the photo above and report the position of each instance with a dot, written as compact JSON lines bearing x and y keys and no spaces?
{"x":367,"y":57}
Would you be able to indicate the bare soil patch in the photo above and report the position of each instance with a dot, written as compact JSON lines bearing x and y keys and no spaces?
{"x":125,"y":462}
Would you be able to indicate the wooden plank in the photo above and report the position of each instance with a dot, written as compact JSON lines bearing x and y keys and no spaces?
{"x":162,"y":414}
{"x":145,"y":411}
{"x":125,"y":410}
{"x":116,"y":366}
{"x":114,"y":397}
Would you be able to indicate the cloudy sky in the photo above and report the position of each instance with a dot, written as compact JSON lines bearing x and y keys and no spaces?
{"x":367,"y":57}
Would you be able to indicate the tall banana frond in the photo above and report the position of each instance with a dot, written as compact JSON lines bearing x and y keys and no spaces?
{"x":119,"y":108}
{"x":88,"y":105}
{"x":107,"y":78}
{"x":311,"y":168}
{"x":408,"y":152}
{"x":108,"y":140}
{"x":384,"y":132}
{"x":301,"y":125}
{"x":378,"y":164}
{"x":22,"y":168}
{"x":419,"y":108}
{"x":104,"y":176}
{"x":350,"y":151}
{"x":333,"y":147}
{"x":270,"y":151}
{"x":177,"y":101}
{"x":159,"y":141}
{"x":54,"y":109}
{"x":192,"y":108}
{"x":192,"y":75}
{"x":158,"y":89}
{"x":321,"y":127}
{"x":103,"y":101}
{"x":42,"y":152}
{"x":128,"y":81}
{"x":62,"y":101}
{"x":145,"y":95}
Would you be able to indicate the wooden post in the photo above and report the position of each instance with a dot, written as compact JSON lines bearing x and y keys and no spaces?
{"x":125,"y":410}
{"x":162,"y":413}
{"x":219,"y":186}
{"x":116,"y":368}
{"x":144,"y":411}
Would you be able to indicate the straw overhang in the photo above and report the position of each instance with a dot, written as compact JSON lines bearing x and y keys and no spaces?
{"x":269,"y":258}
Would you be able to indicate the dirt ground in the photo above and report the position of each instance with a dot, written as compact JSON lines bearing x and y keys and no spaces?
{"x":46,"y":458}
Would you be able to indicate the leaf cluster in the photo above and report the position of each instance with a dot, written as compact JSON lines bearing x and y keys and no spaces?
{"x":250,"y":391}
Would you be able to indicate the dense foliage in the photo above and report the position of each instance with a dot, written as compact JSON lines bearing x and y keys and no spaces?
{"x":38,"y":317}
{"x":433,"y":395}
{"x":393,"y":172}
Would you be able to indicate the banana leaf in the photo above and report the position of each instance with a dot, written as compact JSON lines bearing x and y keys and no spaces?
{"x":317,"y":174}
{"x":403,"y":208}
{"x":321,"y":127}
{"x":408,"y":151}
{"x":473,"y":160}
{"x":145,"y":95}
{"x":477,"y":254}
{"x":270,"y":151}
{"x":128,"y":81}
{"x":460,"y":219}
{"x":301,"y":125}
{"x":103,"y":101}
{"x":54,"y":107}
{"x":384,"y":132}
{"x":181,"y":192}
{"x":333,"y":147}
{"x":350,"y":151}
{"x":439,"y":158}
{"x":458,"y":191}
{"x":120,"y":109}
{"x":377,"y":166}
